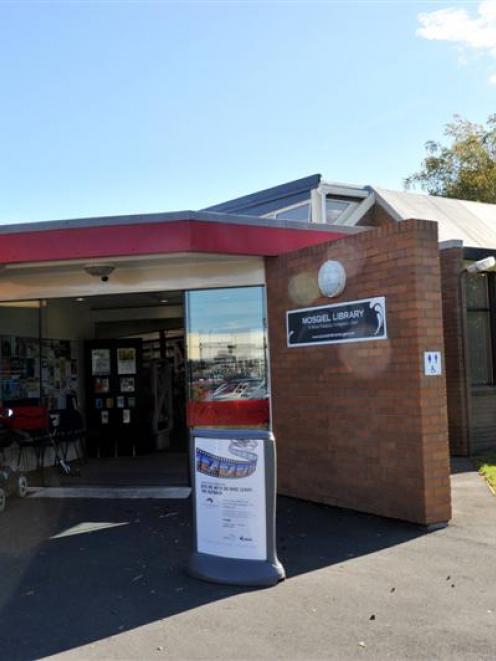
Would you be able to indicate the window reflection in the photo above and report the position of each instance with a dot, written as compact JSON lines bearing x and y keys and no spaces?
{"x":300,"y":213}
{"x":227,"y":358}
{"x":479,"y":337}
{"x":334,"y":209}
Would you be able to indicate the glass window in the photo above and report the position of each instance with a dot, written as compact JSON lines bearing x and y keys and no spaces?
{"x":300,"y":213}
{"x":479,"y":337}
{"x":479,"y":328}
{"x":335,"y":208}
{"x":476,"y":291}
{"x":227,"y":366}
{"x":19,"y":353}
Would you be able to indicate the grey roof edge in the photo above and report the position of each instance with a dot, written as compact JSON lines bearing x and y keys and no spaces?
{"x":452,"y":243}
{"x":93,"y":221}
{"x":198,"y":216}
{"x":267,"y":194}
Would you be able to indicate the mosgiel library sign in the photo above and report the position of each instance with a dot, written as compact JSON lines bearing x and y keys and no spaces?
{"x":355,"y":321}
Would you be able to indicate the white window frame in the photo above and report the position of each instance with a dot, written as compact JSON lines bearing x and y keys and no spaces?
{"x":317,"y":204}
{"x":350,"y":216}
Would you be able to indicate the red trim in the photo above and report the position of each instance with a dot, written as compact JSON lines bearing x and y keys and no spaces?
{"x":155,"y":238}
{"x":236,"y":412}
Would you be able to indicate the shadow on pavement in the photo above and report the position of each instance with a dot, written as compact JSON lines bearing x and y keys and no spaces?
{"x":60,"y":593}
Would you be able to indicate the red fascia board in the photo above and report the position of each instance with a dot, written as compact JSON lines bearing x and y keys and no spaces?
{"x":233,"y":239}
{"x":104,"y":242}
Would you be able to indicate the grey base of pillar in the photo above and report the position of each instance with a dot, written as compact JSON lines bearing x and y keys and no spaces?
{"x":250,"y":573}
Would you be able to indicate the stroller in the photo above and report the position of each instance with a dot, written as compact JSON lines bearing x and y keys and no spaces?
{"x":37,"y":432}
{"x":11,"y":482}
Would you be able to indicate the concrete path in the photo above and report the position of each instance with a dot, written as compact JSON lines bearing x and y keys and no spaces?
{"x":104,"y":580}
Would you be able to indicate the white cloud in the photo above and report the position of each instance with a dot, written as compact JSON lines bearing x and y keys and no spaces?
{"x":474,"y":32}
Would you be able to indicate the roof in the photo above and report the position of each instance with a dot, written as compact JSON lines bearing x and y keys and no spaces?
{"x":158,"y":234}
{"x":265,"y":201}
{"x":146,"y":219}
{"x":474,"y":223}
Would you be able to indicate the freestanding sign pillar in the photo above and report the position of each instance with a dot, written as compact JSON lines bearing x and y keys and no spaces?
{"x":234,"y":502}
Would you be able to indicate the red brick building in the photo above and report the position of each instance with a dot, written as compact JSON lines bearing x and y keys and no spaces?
{"x":342,"y":317}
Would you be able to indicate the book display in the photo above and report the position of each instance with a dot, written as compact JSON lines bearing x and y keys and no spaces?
{"x":25,"y":377}
{"x":20,"y":368}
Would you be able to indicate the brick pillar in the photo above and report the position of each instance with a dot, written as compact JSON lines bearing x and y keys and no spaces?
{"x":454,"y":334}
{"x":358,"y":425}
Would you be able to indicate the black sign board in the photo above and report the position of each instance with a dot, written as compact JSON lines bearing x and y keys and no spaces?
{"x":356,"y":321}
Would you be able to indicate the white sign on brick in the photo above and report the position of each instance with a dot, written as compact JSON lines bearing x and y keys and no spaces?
{"x":432,"y":363}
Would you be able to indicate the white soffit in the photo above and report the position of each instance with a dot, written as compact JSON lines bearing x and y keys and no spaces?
{"x":474,"y":223}
{"x":174,"y":272}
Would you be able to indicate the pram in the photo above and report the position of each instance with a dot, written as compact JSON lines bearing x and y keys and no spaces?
{"x":38,"y":433}
{"x":12,"y":482}
{"x":31,"y":429}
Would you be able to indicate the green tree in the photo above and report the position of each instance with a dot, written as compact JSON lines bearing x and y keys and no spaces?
{"x":466,"y":168}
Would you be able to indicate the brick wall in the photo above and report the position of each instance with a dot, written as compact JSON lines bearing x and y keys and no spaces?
{"x":456,"y":378}
{"x":377,"y":216}
{"x":358,"y":425}
{"x":458,"y":398}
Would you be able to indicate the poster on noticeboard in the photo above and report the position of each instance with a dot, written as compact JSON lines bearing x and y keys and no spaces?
{"x":126,"y":360}
{"x":100,"y":362}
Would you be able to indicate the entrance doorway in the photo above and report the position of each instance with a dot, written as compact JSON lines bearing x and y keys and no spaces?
{"x":122,"y":377}
{"x":111,"y":365}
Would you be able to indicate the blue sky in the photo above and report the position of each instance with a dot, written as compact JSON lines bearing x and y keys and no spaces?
{"x":128,"y":107}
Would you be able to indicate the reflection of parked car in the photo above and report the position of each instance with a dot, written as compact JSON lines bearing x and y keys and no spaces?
{"x":240,"y":389}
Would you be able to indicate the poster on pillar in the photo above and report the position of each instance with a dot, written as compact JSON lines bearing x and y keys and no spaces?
{"x":230,"y":498}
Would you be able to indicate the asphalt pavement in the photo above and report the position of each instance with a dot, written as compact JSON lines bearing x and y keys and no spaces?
{"x":104,"y":579}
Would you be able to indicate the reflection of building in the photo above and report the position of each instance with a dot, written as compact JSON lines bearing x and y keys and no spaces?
{"x":228,"y":364}
{"x":248,"y":344}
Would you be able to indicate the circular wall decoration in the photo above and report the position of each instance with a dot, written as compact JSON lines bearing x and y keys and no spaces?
{"x":332,"y":278}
